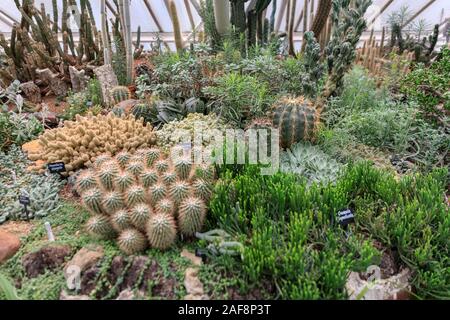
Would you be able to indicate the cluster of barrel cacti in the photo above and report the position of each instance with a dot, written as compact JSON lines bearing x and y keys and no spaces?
{"x":297,"y":120}
{"x":145,"y":198}
{"x":79,"y":143}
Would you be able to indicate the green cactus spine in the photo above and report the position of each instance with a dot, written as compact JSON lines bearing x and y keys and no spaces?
{"x":121,"y":220}
{"x":165,"y":206}
{"x":120,"y":93}
{"x":158,"y":192}
{"x":183,"y":167}
{"x":202,"y":189}
{"x":180,"y":191}
{"x":86,"y":181}
{"x":112,"y":201}
{"x":169,"y":178}
{"x":99,"y":226}
{"x":132,"y":241}
{"x":92,"y":199}
{"x":140,"y":214}
{"x":149,"y":177}
{"x":161,"y":231}
{"x":151,"y":155}
{"x":124,"y":180}
{"x":107,"y":175}
{"x":135,"y":168}
{"x":191,"y":216}
{"x":135,"y":195}
{"x":162,"y":166}
{"x":123,"y":158}
{"x":296,"y":119}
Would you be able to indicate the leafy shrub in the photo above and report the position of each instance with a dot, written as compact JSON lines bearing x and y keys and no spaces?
{"x":237,"y":97}
{"x":78,"y":105}
{"x":94,"y":92}
{"x":430,"y":87}
{"x":18,"y":129}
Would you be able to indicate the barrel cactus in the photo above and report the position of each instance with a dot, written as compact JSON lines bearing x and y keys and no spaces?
{"x":296,"y":119}
{"x":145,"y":197}
{"x":120,"y":94}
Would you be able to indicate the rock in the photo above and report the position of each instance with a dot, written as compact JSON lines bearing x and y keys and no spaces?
{"x":9,"y":245}
{"x":31,"y":92}
{"x":126,"y":295}
{"x":396,"y":287}
{"x":78,"y":78}
{"x":46,"y":258}
{"x":85,"y":259}
{"x":126,"y":106}
{"x":57,"y":85}
{"x":108,"y":80}
{"x":191,"y":257}
{"x":49,"y":118}
{"x":65,"y":296}
{"x":193,"y":285}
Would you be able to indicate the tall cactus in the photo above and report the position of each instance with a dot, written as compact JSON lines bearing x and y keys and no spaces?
{"x":348,"y":25}
{"x":124,"y":9}
{"x":222,"y":15}
{"x":176,"y":26}
{"x":320,"y":19}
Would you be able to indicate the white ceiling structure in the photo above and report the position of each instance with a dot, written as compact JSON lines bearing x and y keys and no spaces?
{"x":433,"y":11}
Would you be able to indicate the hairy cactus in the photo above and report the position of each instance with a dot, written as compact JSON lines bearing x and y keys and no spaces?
{"x":120,"y":94}
{"x":80,"y":143}
{"x":296,"y":119}
{"x":191,"y":216}
{"x":162,"y":231}
{"x":146,"y":191}
{"x":132,"y":241}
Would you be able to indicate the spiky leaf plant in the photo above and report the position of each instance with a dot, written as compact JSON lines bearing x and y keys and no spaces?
{"x":132,"y":241}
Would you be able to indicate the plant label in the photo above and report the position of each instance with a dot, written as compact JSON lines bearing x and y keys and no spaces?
{"x":50,"y":235}
{"x":24,"y":200}
{"x":346,"y":217}
{"x":57,"y":167}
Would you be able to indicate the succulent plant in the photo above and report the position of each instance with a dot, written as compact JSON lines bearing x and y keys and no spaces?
{"x":132,"y":241}
{"x":121,"y":220}
{"x":310,"y":162}
{"x":16,"y":180}
{"x":79,"y":144}
{"x":191,"y":216}
{"x":146,"y":191}
{"x":99,"y":226}
{"x":296,"y":119}
{"x":162,"y":231}
{"x":120,"y":94}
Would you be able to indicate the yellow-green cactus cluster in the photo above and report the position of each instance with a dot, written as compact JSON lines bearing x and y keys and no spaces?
{"x":80,"y":142}
{"x":146,"y":198}
{"x":183,"y":131}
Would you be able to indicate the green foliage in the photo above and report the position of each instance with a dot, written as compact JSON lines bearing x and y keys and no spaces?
{"x":294,"y":240}
{"x":17,"y":129}
{"x":16,"y":180}
{"x":238,"y":98}
{"x":310,"y":162}
{"x":95,"y":92}
{"x":313,"y":66}
{"x":78,"y":105}
{"x":7,"y":289}
{"x":430,"y":87}
{"x":282,"y":218}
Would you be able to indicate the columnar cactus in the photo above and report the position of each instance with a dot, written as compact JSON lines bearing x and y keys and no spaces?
{"x":296,"y":119}
{"x":176,"y":26}
{"x":147,"y":192}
